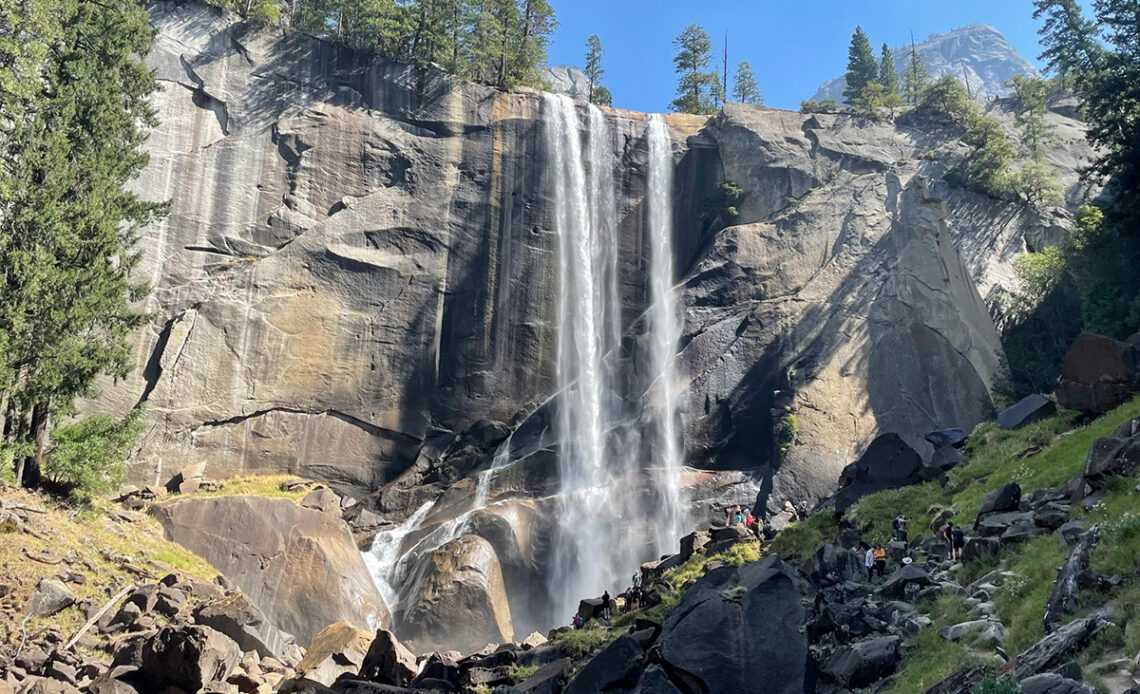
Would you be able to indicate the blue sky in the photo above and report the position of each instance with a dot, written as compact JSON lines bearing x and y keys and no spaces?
{"x":792,"y":46}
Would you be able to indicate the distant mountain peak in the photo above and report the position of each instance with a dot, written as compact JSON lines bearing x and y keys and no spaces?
{"x":977,"y":53}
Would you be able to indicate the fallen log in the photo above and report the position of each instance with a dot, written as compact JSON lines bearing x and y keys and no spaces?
{"x":1069,"y":581}
{"x":98,"y":615}
{"x":1055,"y":649}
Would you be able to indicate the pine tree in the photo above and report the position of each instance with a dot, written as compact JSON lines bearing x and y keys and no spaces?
{"x":915,"y":77}
{"x":602,"y":96}
{"x":594,"y":69}
{"x":697,"y":87}
{"x":1068,"y":38}
{"x":888,"y":75}
{"x":744,"y":87}
{"x":861,"y":66}
{"x":67,"y":222}
{"x":1031,"y":95}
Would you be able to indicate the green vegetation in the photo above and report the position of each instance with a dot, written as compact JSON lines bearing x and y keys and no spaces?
{"x":824,"y":106}
{"x":87,"y":457}
{"x":888,"y":75}
{"x":598,"y":94}
{"x":74,"y":107}
{"x":993,"y":685}
{"x":915,"y":77}
{"x":499,"y":42}
{"x":744,"y":88}
{"x":518,"y":673}
{"x":697,"y":86}
{"x":718,"y":209}
{"x":786,"y":432}
{"x":580,"y":642}
{"x":862,"y":68}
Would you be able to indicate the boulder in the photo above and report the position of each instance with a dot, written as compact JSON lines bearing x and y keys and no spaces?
{"x":188,"y":480}
{"x":655,"y":681}
{"x":990,"y":632}
{"x":864,"y":663}
{"x":388,"y":661}
{"x":616,"y":668}
{"x":322,"y":499}
{"x":238,"y":618}
{"x":1118,"y":454}
{"x":281,"y":556}
{"x":1004,"y":499}
{"x":978,"y":547}
{"x":995,"y":524}
{"x":833,"y":564}
{"x":188,"y":657}
{"x":909,"y":574}
{"x":1030,"y":409}
{"x":693,"y":542}
{"x":736,"y":627}
{"x":1053,"y":684}
{"x":548,"y":679}
{"x":438,"y":668}
{"x":888,"y":463}
{"x":1051,"y":515}
{"x":1098,"y":374}
{"x":949,"y":437}
{"x":50,"y":597}
{"x":728,"y":535}
{"x":338,"y":649}
{"x":1072,"y":531}
{"x":456,"y":598}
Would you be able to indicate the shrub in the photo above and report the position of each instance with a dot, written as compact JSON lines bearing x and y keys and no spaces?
{"x":824,"y":106}
{"x":719,"y":207}
{"x":518,"y":673}
{"x":947,"y":98}
{"x":87,"y":458}
{"x":992,"y":685}
{"x":786,"y":433}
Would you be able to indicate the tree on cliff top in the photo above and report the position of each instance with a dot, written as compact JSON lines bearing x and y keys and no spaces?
{"x":888,"y":75}
{"x":594,"y":69}
{"x":697,"y":87}
{"x":72,"y":121}
{"x":744,"y":88}
{"x":862,"y":67}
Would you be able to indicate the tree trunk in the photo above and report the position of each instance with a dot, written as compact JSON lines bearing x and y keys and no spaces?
{"x":40,"y":416}
{"x":1053,"y":650}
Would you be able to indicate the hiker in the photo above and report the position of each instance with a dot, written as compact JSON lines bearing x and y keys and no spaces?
{"x":900,"y":527}
{"x":606,"y":604}
{"x":748,"y":519}
{"x":948,"y":536}
{"x":958,"y":543}
{"x":636,"y":580}
{"x":576,"y":621}
{"x":869,"y":563}
{"x":880,"y":556}
{"x":737,"y":516}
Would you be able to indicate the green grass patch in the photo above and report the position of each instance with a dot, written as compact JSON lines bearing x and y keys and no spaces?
{"x":1021,"y":599}
{"x":580,"y":642}
{"x":798,"y":541}
{"x":518,"y":673}
{"x":271,"y":486}
{"x":930,"y":659}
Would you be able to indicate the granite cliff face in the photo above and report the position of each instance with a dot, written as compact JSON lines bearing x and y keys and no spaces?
{"x":358,"y":279}
{"x":977,"y":53}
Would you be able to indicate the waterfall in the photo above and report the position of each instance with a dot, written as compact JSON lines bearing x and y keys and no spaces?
{"x":587,"y":556}
{"x":664,"y":336}
{"x":384,"y":555}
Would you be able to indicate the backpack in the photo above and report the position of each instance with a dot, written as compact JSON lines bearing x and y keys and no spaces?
{"x":959,"y":536}
{"x":895,"y":524}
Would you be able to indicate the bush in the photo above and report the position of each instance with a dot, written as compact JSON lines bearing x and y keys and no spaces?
{"x":947,"y":98}
{"x":786,"y":433}
{"x":719,"y":207}
{"x":518,"y":673}
{"x":824,"y":106}
{"x":88,"y":457}
{"x":992,"y":685}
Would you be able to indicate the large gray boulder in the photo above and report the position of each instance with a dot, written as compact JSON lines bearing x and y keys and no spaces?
{"x":1030,"y":409}
{"x":888,"y":463}
{"x":188,"y":657}
{"x":282,"y":557}
{"x":737,"y":627}
{"x":865,"y":662}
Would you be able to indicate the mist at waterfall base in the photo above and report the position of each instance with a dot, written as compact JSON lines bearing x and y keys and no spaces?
{"x":620,"y":500}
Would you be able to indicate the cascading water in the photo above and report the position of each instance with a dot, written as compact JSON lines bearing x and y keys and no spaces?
{"x":664,"y":336}
{"x":385,"y":554}
{"x":583,"y":544}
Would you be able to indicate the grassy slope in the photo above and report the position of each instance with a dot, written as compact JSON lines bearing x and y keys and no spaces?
{"x":99,"y":546}
{"x":996,"y":457}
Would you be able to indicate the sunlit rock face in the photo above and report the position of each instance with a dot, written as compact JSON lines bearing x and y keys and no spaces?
{"x":359,"y":283}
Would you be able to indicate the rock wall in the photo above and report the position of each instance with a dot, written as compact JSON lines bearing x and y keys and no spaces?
{"x":359,"y":268}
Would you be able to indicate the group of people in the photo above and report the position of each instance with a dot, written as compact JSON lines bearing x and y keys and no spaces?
{"x":875,"y":556}
{"x":632,"y":599}
{"x":738,"y":515}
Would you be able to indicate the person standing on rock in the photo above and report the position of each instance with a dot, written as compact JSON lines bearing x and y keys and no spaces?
{"x":606,"y":604}
{"x":948,"y":536}
{"x":958,"y":543}
{"x":869,"y":563}
{"x":880,"y":556}
{"x":900,"y":527}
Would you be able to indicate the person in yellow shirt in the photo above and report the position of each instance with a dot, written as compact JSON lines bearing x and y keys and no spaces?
{"x":880,"y":556}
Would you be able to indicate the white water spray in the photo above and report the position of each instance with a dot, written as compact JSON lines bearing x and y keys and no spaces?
{"x":385,"y":554}
{"x":664,"y":336}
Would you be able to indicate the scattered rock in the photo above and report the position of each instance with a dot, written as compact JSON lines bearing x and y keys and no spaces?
{"x":694,"y":541}
{"x":1004,"y":499}
{"x":906,"y":575}
{"x":865,"y":662}
{"x":1030,"y":409}
{"x":187,"y":481}
{"x":50,"y":597}
{"x":949,"y":437}
{"x":322,"y":499}
{"x":188,"y":657}
{"x":1053,"y":684}
{"x":338,"y":649}
{"x":989,"y":632}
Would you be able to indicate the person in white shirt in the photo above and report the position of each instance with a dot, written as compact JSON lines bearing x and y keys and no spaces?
{"x":869,"y":562}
